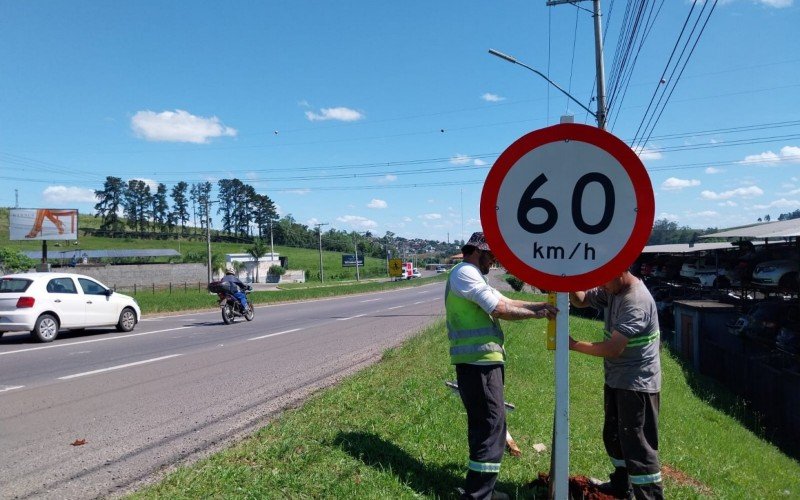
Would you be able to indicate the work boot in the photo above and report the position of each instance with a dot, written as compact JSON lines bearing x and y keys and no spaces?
{"x":618,"y":486}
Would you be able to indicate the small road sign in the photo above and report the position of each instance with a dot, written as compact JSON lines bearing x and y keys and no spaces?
{"x":567,"y":207}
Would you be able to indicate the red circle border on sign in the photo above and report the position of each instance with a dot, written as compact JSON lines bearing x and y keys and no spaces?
{"x":645,"y":205}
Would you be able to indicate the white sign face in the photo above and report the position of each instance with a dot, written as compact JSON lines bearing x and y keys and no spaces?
{"x":566,"y":208}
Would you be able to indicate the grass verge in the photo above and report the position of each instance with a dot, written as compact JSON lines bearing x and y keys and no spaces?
{"x":395,"y":431}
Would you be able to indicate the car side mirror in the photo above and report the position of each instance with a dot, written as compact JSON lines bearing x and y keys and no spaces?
{"x":109,"y":292}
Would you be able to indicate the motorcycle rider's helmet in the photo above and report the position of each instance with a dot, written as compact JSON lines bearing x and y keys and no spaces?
{"x":229,"y":271}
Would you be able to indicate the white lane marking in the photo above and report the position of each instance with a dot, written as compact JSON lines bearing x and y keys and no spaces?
{"x":351,"y":317}
{"x":395,"y":307}
{"x":274,"y":334}
{"x":118,"y":367}
{"x":11,"y":388}
{"x":370,"y":300}
{"x":51,"y":346}
{"x":420,"y":302}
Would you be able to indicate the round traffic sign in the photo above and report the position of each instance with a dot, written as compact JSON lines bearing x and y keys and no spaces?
{"x":567,"y":207}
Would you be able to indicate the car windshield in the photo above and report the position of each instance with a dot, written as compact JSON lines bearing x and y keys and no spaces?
{"x":14,"y":285}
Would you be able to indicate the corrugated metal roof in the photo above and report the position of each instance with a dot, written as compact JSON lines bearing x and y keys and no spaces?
{"x":777,"y":229}
{"x":101,"y":254}
{"x":685,"y":248}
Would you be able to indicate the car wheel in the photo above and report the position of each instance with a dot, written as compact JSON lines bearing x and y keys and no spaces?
{"x":46,"y":328}
{"x":127,"y":320}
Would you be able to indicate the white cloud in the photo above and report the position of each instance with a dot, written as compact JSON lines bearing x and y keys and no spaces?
{"x":706,"y":213}
{"x":782,"y":203}
{"x":301,"y":192}
{"x":407,"y":219}
{"x":649,"y":154}
{"x":668,"y":216}
{"x":376,"y":203}
{"x":387,"y":178}
{"x":747,"y":192}
{"x":778,"y":4}
{"x":431,"y":216}
{"x":714,"y":170}
{"x":357,"y":221}
{"x":488,"y":97}
{"x":153,"y":185}
{"x":312,"y":222}
{"x":789,"y":154}
{"x":341,"y":114}
{"x":460,"y":159}
{"x":728,"y":203}
{"x":178,"y":126}
{"x":673,"y":184}
{"x":68,"y":194}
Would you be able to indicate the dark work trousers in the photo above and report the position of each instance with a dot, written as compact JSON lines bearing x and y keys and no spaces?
{"x":630,"y":433}
{"x":481,"y":389}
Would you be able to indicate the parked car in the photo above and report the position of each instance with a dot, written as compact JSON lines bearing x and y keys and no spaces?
{"x":441,"y":269}
{"x":777,"y":273}
{"x":45,"y":303}
{"x":416,"y":273}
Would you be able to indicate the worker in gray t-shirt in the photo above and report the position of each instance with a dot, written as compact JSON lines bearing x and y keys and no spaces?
{"x":632,"y":390}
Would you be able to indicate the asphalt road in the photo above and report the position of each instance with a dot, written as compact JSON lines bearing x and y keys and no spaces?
{"x":178,"y":387}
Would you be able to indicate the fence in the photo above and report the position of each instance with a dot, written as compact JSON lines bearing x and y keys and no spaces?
{"x":767,"y":378}
{"x":152,"y":288}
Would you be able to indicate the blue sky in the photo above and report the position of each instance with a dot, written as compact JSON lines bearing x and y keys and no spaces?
{"x":386,"y":116}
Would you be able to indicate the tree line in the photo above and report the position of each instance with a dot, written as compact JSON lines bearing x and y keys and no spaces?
{"x":243,"y":215}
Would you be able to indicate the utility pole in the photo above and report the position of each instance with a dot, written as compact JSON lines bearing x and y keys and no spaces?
{"x":208,"y":241}
{"x":319,"y":232}
{"x":271,"y":246}
{"x":598,"y":56}
{"x":358,"y":278}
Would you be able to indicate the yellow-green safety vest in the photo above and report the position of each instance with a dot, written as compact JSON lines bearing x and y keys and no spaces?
{"x":475,"y":337}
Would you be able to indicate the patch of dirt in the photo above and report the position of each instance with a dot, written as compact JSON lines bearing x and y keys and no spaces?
{"x":580,"y":488}
{"x":682,"y":478}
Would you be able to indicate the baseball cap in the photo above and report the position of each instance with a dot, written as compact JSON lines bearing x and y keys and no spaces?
{"x":478,"y":240}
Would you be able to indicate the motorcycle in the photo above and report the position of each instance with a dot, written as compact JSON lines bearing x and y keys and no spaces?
{"x":230,"y":305}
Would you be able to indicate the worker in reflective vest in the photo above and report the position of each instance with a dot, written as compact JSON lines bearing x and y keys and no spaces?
{"x":476,"y":349}
{"x":632,"y":390}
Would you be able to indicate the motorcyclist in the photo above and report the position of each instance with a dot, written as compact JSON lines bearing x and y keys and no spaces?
{"x":240,"y":287}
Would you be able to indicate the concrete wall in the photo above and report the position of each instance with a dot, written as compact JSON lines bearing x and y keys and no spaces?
{"x":142,"y":275}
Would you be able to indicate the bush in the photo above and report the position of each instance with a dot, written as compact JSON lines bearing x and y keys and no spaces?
{"x":276,"y":270}
{"x":515,"y":283}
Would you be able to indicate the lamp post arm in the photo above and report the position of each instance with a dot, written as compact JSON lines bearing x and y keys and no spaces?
{"x":551,"y":82}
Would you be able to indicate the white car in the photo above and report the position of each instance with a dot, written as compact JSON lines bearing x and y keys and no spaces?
{"x":44,"y":303}
{"x":777,"y":273}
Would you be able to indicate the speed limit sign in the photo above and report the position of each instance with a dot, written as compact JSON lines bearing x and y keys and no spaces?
{"x":567,"y":207}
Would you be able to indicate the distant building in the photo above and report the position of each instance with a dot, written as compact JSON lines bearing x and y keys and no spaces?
{"x":252,"y":269}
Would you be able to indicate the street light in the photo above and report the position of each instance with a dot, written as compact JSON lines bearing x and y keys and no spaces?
{"x":319,"y":231}
{"x":513,"y":60}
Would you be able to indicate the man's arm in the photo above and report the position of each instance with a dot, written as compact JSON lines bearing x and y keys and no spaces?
{"x":610,"y":348}
{"x":510,"y":309}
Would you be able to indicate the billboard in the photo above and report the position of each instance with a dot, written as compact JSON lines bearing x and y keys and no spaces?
{"x":349,"y":260}
{"x":43,"y":224}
